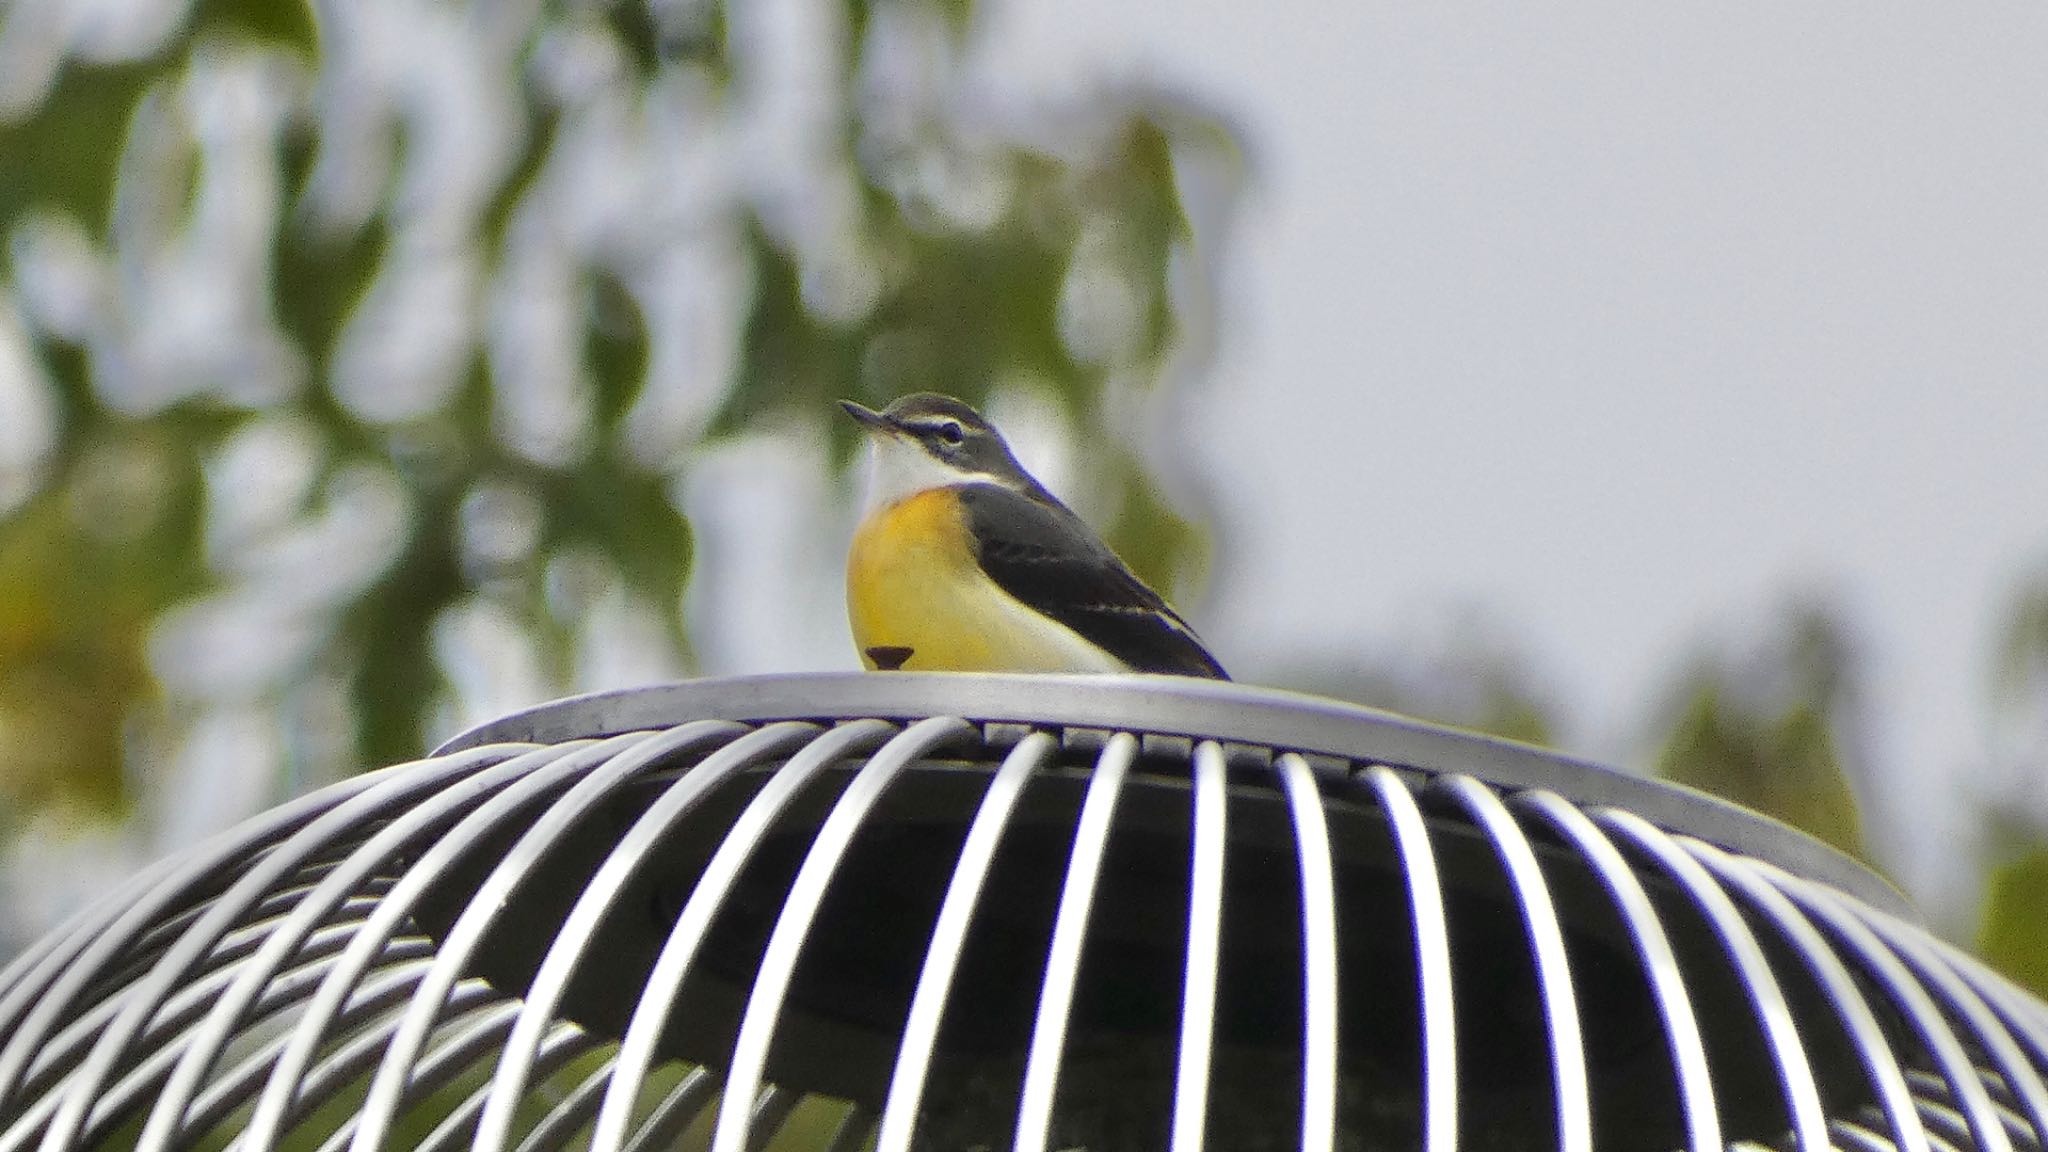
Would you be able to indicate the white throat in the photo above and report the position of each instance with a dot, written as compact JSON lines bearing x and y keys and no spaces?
{"x":899,"y":468}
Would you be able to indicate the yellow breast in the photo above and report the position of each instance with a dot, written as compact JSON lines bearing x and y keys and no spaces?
{"x":912,"y":582}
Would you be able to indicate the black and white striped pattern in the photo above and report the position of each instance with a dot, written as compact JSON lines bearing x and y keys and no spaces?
{"x":932,"y":912}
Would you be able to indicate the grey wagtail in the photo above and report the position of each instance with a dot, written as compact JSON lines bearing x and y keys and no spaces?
{"x":964,"y":563}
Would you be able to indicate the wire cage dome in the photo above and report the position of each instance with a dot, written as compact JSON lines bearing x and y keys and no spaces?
{"x":1003,"y":912}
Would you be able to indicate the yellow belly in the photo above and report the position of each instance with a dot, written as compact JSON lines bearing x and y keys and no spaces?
{"x":912,"y":582}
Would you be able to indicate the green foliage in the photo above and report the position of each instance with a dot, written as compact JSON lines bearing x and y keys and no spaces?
{"x":957,"y":309}
{"x":2012,"y":924}
{"x":1784,"y":765}
{"x":1766,"y":735}
{"x":1164,"y":548}
{"x":84,"y":567}
{"x":2012,"y":933}
{"x":284,"y":24}
{"x":956,"y":285}
{"x":66,"y":154}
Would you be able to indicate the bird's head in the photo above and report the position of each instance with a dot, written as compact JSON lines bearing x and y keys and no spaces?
{"x":925,"y":440}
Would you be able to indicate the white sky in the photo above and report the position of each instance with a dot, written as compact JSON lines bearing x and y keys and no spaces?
{"x":1624,"y":321}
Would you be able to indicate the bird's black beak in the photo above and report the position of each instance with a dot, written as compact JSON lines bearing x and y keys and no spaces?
{"x":869,"y":418}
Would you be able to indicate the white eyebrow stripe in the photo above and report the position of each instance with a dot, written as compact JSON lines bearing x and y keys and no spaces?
{"x":932,"y":424}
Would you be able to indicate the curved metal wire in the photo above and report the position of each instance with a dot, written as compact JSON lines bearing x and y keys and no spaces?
{"x":1745,"y":953}
{"x":394,"y":1078}
{"x":1660,"y":964}
{"x":184,"y":881}
{"x":409,"y":958}
{"x":424,"y":801}
{"x":657,"y":997}
{"x":1886,"y":1072}
{"x":1432,"y":959}
{"x":1553,"y":968}
{"x":568,"y":945}
{"x":1909,"y":998}
{"x":949,"y":936}
{"x":2019,"y":1079}
{"x":1319,"y":950}
{"x":1069,"y":934}
{"x":1204,"y":951}
{"x":806,"y":893}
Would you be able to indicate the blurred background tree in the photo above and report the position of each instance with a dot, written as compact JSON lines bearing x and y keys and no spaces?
{"x":2012,"y":927}
{"x":362,"y":363}
{"x":1777,"y":728}
{"x":352,"y":352}
{"x":1776,"y":731}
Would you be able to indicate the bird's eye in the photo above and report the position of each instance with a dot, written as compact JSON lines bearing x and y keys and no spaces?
{"x":951,"y":432}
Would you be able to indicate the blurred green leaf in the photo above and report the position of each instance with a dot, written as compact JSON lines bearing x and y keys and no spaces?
{"x":64,"y":157}
{"x":1773,"y":731}
{"x":616,"y":349}
{"x":278,"y":23}
{"x":1167,"y":550}
{"x":698,"y":36}
{"x":626,"y":516}
{"x":320,"y":279}
{"x":85,"y":570}
{"x":925,"y":290}
{"x":1513,"y":713}
{"x":789,"y":360}
{"x":1786,"y":766}
{"x":639,"y":32}
{"x":1138,"y":191}
{"x":390,"y":630}
{"x":2012,"y":933}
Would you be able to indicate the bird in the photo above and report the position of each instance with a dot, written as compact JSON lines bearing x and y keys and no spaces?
{"x":963,"y":562}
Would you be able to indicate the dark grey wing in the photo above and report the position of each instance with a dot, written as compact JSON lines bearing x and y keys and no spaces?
{"x":1043,"y":555}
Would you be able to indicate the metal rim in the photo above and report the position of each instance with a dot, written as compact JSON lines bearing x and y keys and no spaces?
{"x":1196,"y":710}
